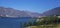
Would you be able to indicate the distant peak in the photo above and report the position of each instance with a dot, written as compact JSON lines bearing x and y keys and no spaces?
{"x":57,"y":8}
{"x":54,"y":11}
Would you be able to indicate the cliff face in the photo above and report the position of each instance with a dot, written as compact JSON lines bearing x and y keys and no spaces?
{"x":10,"y":12}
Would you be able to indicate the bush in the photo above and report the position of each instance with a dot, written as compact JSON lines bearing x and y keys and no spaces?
{"x":47,"y":20}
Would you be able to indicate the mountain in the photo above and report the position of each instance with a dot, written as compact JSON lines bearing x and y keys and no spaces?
{"x":10,"y":12}
{"x":54,"y":11}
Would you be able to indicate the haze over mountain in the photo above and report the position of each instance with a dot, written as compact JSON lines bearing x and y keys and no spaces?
{"x":10,"y":12}
{"x":54,"y":11}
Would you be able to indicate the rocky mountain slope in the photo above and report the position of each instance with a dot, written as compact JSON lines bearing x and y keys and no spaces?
{"x":54,"y":11}
{"x":10,"y":12}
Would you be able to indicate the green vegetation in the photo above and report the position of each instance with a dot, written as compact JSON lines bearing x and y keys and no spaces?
{"x":47,"y":22}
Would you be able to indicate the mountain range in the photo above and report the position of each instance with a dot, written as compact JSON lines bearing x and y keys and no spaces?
{"x":10,"y":12}
{"x":52,"y":12}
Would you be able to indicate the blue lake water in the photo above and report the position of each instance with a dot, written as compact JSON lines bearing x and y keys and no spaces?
{"x":13,"y":22}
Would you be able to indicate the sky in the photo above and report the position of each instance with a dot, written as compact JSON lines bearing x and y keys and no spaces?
{"x":38,"y":6}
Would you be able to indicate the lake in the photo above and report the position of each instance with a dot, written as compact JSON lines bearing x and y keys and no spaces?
{"x":13,"y":22}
